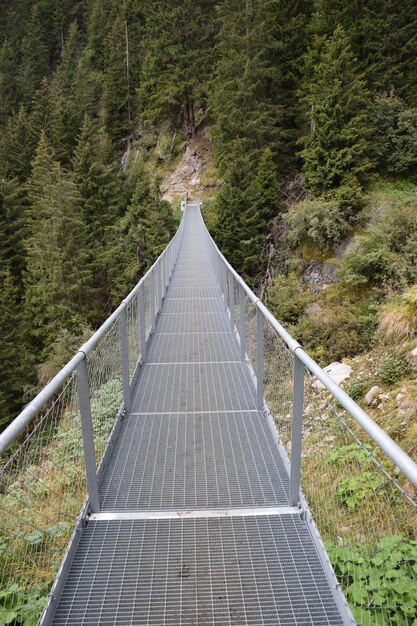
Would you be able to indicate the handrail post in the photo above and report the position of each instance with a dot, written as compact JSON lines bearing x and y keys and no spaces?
{"x":232,"y":303}
{"x":157,"y":290}
{"x":297,"y":430}
{"x":224,"y":286}
{"x":259,"y":359}
{"x":164,"y":275}
{"x":124,"y":353}
{"x":88,"y":436}
{"x":152,"y":309}
{"x":142,"y":329}
{"x":220,"y":274}
{"x":242,"y":323}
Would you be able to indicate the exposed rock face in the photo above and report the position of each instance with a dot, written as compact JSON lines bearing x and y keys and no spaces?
{"x":338,"y":372}
{"x":187,"y":176}
{"x":318,"y":276}
{"x":372,"y":394}
{"x":413,"y":355}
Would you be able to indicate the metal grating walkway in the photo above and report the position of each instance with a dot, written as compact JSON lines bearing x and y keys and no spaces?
{"x":195,"y":526}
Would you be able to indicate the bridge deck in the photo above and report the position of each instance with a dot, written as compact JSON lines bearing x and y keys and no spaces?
{"x":195,"y":525}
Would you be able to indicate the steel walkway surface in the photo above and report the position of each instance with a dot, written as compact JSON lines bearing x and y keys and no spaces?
{"x":195,"y":524}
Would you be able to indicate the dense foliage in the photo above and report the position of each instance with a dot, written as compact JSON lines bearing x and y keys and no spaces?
{"x":76,"y":230}
{"x":319,"y":87}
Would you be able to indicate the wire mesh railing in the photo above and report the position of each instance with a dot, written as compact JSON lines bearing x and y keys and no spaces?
{"x":366,"y":517}
{"x":345,"y":472}
{"x":357,"y":482}
{"x":42,"y":488}
{"x":51,"y":453}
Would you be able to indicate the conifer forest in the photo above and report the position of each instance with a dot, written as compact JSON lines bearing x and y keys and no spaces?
{"x":295,"y":123}
{"x":311,"y":110}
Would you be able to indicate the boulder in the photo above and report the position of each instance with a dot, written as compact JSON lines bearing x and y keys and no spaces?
{"x":318,"y":276}
{"x":338,"y":372}
{"x":372,"y":394}
{"x":413,"y":355}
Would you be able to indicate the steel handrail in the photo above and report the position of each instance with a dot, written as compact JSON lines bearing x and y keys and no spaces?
{"x":401,"y":459}
{"x":17,"y":426}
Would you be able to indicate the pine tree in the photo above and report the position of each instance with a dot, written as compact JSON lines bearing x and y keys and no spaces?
{"x":96,"y":177}
{"x":35,"y":56}
{"x":40,"y":117}
{"x":8,"y":81}
{"x":99,"y":21}
{"x":65,"y":122}
{"x":383,"y":35}
{"x":58,"y":279}
{"x":394,"y":142}
{"x":141,"y":234}
{"x":117,"y":96}
{"x":232,"y":202}
{"x":177,"y":59}
{"x":292,"y":31}
{"x":14,"y":373}
{"x":245,"y":100}
{"x":265,"y":204}
{"x":17,"y":146}
{"x":336,"y":149}
{"x":12,"y":227}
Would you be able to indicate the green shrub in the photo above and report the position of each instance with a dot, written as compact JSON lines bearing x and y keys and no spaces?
{"x":352,"y":453}
{"x":391,"y":369}
{"x":342,"y":326}
{"x":286,"y":298}
{"x":315,"y":222}
{"x":19,"y":607}
{"x":209,"y":213}
{"x":386,"y":252}
{"x":379,"y":583}
{"x":395,"y":139}
{"x":354,"y":491}
{"x":357,"y":389}
{"x":349,"y":197}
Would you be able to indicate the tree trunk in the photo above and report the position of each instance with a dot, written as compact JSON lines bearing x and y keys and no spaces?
{"x":189,"y":119}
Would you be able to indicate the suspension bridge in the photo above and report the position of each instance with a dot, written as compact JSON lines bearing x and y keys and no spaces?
{"x":177,"y":431}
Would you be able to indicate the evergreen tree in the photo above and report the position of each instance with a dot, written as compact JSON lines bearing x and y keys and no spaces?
{"x":35,"y":56}
{"x":40,"y":118}
{"x":141,"y":234}
{"x":58,"y":279}
{"x":232,"y":202}
{"x":117,"y":96}
{"x":245,"y":100}
{"x":14,"y":374}
{"x":394,"y":142}
{"x":383,"y":35}
{"x":8,"y":81}
{"x":17,"y":146}
{"x":177,"y":59}
{"x":264,"y":205}
{"x":97,"y":180}
{"x":99,"y":21}
{"x":336,"y":149}
{"x":292,"y":28}
{"x":12,"y":227}
{"x":65,"y":122}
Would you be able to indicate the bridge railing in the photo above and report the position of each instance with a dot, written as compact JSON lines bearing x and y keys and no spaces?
{"x":52,"y":454}
{"x":345,"y":471}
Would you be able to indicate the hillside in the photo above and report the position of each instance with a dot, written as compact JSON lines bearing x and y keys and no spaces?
{"x":296,"y":125}
{"x":297,"y":121}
